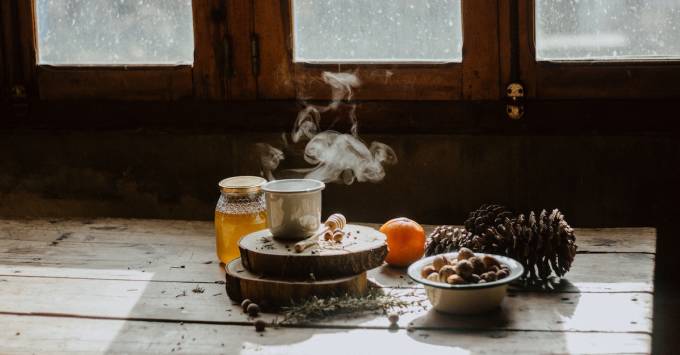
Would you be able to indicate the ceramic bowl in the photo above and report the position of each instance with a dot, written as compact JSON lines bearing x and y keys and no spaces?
{"x":467,"y":298}
{"x":293,"y":207}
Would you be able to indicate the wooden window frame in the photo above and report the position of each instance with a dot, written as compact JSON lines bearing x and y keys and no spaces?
{"x":590,"y":79}
{"x":218,"y":30}
{"x":476,"y":78}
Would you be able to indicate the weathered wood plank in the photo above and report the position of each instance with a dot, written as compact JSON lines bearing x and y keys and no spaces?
{"x":620,"y":240}
{"x":481,"y":58}
{"x":136,"y":83}
{"x":143,"y":300}
{"x":66,"y":335}
{"x":209,"y":52}
{"x":194,"y":263}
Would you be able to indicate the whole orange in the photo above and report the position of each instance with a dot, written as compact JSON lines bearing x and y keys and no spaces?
{"x":405,"y":241}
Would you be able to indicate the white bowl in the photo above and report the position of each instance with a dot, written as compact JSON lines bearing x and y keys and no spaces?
{"x":467,"y":298}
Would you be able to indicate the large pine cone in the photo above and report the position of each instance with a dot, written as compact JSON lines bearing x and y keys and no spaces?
{"x":544,"y":244}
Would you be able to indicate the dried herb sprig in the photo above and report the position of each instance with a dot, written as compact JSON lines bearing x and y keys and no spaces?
{"x":320,"y":308}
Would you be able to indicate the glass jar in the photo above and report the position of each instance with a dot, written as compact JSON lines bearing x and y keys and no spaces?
{"x":239,"y":212}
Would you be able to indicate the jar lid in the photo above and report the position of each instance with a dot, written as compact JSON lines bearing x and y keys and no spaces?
{"x":241,"y":184}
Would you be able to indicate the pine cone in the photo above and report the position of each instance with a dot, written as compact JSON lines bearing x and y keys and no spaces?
{"x":544,"y":244}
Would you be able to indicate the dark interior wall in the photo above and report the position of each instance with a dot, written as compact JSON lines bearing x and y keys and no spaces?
{"x":595,"y":180}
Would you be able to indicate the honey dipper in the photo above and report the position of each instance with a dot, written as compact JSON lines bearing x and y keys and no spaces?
{"x":332,"y":228}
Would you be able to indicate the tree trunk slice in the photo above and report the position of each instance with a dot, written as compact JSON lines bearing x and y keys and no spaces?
{"x":363,"y":248}
{"x":271,"y":293}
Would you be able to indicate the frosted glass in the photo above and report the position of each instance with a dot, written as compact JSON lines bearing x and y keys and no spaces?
{"x":607,"y":29}
{"x":115,"y":32}
{"x":377,"y":31}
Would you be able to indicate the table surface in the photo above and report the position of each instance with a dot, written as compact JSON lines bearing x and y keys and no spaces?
{"x":121,"y":285}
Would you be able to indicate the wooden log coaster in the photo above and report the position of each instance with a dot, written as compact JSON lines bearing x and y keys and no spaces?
{"x":361,"y":249}
{"x":272,"y":293}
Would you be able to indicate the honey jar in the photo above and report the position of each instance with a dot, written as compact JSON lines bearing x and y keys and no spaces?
{"x":239,"y":212}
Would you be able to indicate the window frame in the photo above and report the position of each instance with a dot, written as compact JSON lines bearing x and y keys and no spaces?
{"x":475,"y":78}
{"x":217,"y":28}
{"x":590,"y":79}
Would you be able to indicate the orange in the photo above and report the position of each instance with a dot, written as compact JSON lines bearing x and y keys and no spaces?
{"x":405,"y":241}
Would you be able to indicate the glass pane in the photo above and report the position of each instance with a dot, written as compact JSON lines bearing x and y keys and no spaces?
{"x":115,"y":32}
{"x":377,"y":31}
{"x":607,"y":29}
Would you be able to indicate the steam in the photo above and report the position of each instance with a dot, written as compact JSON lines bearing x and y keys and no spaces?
{"x":333,"y":156}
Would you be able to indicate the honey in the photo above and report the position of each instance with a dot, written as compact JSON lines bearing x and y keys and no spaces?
{"x":231,"y":227}
{"x":239,"y":212}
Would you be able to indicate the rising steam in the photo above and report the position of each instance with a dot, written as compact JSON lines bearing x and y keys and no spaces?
{"x":333,"y":156}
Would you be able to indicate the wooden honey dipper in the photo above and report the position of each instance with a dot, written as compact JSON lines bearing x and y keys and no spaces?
{"x":332,"y":231}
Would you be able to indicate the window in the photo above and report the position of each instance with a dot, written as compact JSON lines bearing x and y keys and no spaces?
{"x":101,"y":32}
{"x":368,"y":31}
{"x":608,"y":30}
{"x":596,"y":49}
{"x":399,"y":50}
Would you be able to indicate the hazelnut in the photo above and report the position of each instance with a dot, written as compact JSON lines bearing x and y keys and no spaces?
{"x":433,"y":277}
{"x":489,"y":261}
{"x":439,"y":261}
{"x":455,"y":280}
{"x":482,"y":281}
{"x":338,"y":235}
{"x":464,"y":254}
{"x":489,"y":276}
{"x":502,"y":273}
{"x":474,"y":278}
{"x":260,"y":325}
{"x":477,"y":265}
{"x":253,"y":310}
{"x":463,"y":268}
{"x":245,"y":303}
{"x":445,"y":272}
{"x":427,"y":270}
{"x":393,"y":318}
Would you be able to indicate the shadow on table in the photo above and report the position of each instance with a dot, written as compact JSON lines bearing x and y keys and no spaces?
{"x":518,"y":322}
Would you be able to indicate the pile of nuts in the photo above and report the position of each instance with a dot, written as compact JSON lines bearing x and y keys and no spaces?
{"x":465,"y":269}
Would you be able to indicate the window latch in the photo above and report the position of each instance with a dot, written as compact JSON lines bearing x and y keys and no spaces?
{"x":515,"y":101}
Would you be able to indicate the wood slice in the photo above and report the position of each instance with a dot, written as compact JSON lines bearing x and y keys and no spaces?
{"x":272,"y":293}
{"x":363,"y":248}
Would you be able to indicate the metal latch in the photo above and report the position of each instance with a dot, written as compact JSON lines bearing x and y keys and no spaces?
{"x":515,"y":105}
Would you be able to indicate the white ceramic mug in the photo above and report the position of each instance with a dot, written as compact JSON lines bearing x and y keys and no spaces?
{"x":293,"y":207}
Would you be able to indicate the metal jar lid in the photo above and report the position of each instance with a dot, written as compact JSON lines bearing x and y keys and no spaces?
{"x":241,"y":184}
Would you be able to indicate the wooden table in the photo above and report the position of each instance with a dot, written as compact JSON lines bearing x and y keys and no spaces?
{"x":126,"y":286}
